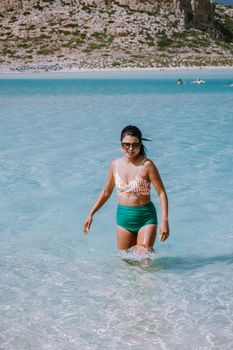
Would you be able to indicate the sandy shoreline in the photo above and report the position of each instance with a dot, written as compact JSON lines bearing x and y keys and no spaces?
{"x":118,"y":72}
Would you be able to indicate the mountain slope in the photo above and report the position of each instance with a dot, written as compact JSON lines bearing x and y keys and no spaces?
{"x":122,"y":33}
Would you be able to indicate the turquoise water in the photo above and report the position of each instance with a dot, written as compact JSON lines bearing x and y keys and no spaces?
{"x":63,"y":290}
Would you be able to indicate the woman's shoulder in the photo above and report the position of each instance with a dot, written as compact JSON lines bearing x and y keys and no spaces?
{"x":149,"y":165}
{"x":148,"y":162}
{"x":114,"y":162}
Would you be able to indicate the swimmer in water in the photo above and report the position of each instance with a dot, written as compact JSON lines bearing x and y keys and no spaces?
{"x":132,"y":175}
{"x":198,"y":81}
{"x":180,"y":82}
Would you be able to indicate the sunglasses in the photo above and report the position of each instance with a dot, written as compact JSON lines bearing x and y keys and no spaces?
{"x":126,"y":145}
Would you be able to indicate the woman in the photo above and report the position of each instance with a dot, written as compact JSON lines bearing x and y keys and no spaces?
{"x":136,"y":215}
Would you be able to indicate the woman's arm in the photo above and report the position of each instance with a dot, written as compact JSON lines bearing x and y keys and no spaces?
{"x":159,"y":187}
{"x":103,"y":197}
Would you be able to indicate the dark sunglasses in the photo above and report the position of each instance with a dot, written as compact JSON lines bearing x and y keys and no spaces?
{"x":126,"y":145}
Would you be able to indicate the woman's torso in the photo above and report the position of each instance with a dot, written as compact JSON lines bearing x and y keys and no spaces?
{"x":132,"y":182}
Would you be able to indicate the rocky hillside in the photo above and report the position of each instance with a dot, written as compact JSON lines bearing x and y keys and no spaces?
{"x":120,"y":33}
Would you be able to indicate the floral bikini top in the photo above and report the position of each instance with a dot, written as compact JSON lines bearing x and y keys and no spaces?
{"x":136,"y":187}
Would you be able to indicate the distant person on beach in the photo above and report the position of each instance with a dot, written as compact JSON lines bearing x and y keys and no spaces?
{"x":136,"y":215}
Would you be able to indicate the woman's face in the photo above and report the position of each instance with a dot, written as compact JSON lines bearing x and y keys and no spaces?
{"x":131,"y":146}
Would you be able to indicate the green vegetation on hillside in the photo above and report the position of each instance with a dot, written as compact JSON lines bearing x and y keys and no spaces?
{"x":228,"y":23}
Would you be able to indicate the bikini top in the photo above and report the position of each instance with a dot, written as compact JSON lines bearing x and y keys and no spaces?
{"x":136,"y":187}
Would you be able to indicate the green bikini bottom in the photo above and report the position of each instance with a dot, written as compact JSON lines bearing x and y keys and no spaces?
{"x":133,"y":218}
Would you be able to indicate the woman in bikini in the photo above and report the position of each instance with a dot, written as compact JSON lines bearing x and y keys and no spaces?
{"x":136,"y":215}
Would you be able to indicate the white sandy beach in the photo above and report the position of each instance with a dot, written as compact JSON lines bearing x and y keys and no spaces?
{"x":119,"y":73}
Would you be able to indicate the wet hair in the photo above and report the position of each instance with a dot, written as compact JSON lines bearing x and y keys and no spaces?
{"x":132,"y":130}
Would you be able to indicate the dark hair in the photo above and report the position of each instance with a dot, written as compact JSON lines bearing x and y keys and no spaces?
{"x":134,"y":131}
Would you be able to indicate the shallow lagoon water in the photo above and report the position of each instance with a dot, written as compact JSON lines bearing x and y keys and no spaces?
{"x":62,"y":290}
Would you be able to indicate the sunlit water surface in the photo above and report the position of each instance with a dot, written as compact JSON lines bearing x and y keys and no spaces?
{"x":63,"y":290}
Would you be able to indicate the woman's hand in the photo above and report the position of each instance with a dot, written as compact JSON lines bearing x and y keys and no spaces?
{"x":164,"y":231}
{"x":87,"y":224}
